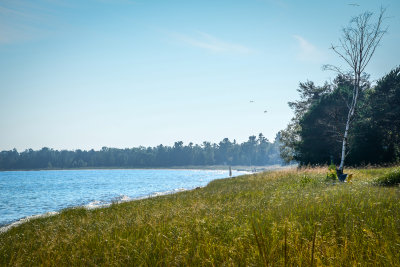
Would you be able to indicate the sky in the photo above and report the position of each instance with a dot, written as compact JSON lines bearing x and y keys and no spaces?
{"x":86,"y":74}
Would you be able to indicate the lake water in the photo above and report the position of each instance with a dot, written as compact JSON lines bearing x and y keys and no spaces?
{"x":27,"y":193}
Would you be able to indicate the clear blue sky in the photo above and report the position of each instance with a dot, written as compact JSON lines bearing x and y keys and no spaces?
{"x":87,"y":74}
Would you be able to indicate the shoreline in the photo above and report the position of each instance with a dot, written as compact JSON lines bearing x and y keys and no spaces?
{"x":189,"y":167}
{"x":91,"y":206}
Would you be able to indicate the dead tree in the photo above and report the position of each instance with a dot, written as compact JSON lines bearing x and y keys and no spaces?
{"x":356,"y":47}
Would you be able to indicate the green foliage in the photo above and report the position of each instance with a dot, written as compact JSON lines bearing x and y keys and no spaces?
{"x":389,"y":179}
{"x":256,"y":151}
{"x":332,"y":174}
{"x":290,"y":138}
{"x":313,"y":135}
{"x":332,"y":167}
{"x":322,"y":123}
{"x":377,"y":130}
{"x":266,"y":219}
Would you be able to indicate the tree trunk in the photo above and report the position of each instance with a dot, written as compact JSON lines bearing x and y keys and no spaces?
{"x":357,"y":47}
{"x":346,"y":132}
{"x":349,"y":117}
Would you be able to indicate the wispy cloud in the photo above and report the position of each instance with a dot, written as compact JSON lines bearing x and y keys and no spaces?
{"x":21,"y":20}
{"x":211,"y":43}
{"x":307,"y":51}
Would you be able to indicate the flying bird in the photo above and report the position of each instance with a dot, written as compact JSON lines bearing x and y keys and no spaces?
{"x":265,"y":111}
{"x":251,"y":101}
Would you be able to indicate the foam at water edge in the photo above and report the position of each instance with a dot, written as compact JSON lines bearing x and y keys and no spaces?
{"x":156,"y":194}
{"x":95,"y":205}
{"x":122,"y":198}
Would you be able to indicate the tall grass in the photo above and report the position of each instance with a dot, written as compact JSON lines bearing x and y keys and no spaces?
{"x":283,"y":218}
{"x":390,"y":178}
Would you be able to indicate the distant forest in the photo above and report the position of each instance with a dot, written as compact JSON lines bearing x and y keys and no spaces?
{"x":256,"y":151}
{"x":314,"y":134}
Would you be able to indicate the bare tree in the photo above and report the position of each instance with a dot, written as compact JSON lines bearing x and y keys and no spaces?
{"x":357,"y":46}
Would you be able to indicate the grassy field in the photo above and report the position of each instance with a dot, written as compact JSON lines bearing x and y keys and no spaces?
{"x":276,"y":218}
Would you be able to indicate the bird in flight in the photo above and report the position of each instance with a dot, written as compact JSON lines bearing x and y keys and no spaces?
{"x":354,"y":4}
{"x":265,"y":111}
{"x":251,"y":101}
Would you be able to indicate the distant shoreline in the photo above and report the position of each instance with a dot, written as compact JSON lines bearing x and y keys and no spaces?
{"x":195,"y":167}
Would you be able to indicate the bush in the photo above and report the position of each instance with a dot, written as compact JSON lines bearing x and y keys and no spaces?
{"x":331,"y":175}
{"x":389,"y":179}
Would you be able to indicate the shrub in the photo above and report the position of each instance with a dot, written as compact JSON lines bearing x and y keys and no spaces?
{"x":389,"y":179}
{"x":331,"y":175}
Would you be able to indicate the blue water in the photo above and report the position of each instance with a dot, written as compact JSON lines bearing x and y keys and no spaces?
{"x":27,"y":193}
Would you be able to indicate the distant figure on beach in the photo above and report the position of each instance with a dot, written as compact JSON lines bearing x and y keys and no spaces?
{"x":230,"y":171}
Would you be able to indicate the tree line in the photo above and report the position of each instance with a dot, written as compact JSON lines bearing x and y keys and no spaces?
{"x":314,"y":135}
{"x":257,"y":150}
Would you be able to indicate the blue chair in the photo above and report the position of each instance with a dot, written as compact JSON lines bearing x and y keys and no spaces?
{"x":342,"y":177}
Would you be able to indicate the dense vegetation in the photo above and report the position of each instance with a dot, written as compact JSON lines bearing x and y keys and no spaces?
{"x":315,"y":133}
{"x":286,"y":218}
{"x":391,"y":178}
{"x":256,"y":151}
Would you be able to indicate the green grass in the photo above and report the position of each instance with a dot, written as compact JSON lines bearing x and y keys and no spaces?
{"x":276,"y":218}
{"x":391,"y":178}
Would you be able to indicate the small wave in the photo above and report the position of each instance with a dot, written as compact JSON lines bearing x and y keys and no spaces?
{"x":179,"y":189}
{"x":163,"y":193}
{"x":96,"y":204}
{"x":120,"y":199}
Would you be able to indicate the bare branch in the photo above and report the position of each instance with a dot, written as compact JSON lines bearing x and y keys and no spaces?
{"x":333,"y":68}
{"x":356,"y":47}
